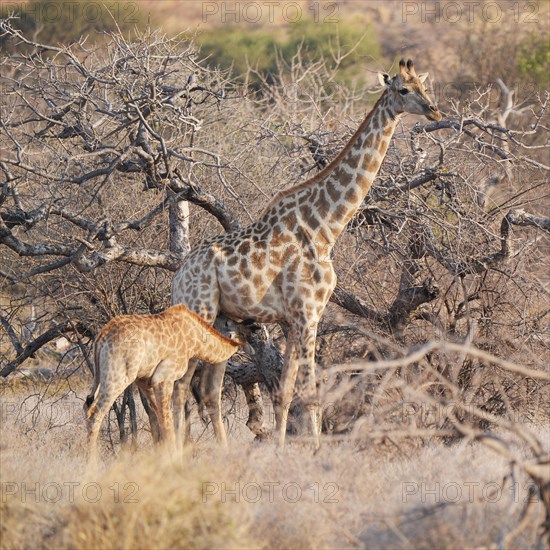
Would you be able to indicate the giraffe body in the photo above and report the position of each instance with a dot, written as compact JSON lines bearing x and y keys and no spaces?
{"x":279,"y":268}
{"x":153,"y":351}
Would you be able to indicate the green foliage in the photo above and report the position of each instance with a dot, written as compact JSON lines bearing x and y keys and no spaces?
{"x":534,"y":59}
{"x":60,"y":22}
{"x":238,"y":48}
{"x":330,"y":40}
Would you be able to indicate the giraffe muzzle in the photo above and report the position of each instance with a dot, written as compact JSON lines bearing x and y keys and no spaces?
{"x":433,"y":113}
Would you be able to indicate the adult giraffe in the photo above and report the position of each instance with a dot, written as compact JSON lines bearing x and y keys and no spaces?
{"x":278,"y":269}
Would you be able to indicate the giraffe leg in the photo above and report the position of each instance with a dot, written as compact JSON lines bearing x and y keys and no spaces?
{"x":153,"y":422}
{"x":197,"y":396}
{"x":98,"y":411}
{"x":162,"y":402}
{"x":302,"y":355}
{"x":182,"y":393}
{"x":145,"y":390}
{"x":309,"y":384}
{"x":286,"y":387}
{"x":93,"y":424}
{"x":205,"y":305}
{"x":211,"y":391}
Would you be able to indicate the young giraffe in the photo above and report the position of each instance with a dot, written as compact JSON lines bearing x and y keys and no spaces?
{"x":279,"y":268}
{"x":153,"y":351}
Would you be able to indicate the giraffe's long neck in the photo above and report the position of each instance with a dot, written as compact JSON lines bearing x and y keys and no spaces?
{"x":214,"y":349}
{"x":342,"y":186}
{"x":200,"y":340}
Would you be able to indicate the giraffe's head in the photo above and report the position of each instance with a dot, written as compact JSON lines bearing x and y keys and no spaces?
{"x":407,"y":93}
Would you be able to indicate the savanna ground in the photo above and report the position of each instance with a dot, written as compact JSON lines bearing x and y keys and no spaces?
{"x":433,"y":356}
{"x":386,"y":494}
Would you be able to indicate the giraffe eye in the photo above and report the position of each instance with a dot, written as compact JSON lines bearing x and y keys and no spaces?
{"x":403,"y":91}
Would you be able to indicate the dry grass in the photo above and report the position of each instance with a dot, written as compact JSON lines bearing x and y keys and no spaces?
{"x":381,"y":495}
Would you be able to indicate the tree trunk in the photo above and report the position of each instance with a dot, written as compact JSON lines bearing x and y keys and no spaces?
{"x":179,"y":228}
{"x":178,"y":215}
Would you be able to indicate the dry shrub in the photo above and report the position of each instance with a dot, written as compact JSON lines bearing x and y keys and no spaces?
{"x":166,"y":511}
{"x":18,"y":522}
{"x":359,"y":398}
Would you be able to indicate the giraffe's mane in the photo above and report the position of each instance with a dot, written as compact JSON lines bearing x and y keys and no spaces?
{"x":330,"y":167}
{"x":207,"y":326}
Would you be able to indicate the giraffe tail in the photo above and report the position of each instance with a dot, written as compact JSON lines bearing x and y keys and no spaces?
{"x":90,"y":405}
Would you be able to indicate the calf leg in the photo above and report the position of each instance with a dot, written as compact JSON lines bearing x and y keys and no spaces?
{"x":153,"y":422}
{"x":163,"y":397}
{"x":211,"y":391}
{"x":182,"y":393}
{"x":95,"y":414}
{"x":254,"y":401}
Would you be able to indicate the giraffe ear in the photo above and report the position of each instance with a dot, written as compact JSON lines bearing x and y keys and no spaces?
{"x":422,"y":77}
{"x":384,"y":79}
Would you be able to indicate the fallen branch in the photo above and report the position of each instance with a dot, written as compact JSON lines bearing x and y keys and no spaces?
{"x":32,"y":347}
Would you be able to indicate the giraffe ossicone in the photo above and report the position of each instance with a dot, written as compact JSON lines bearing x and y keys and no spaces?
{"x":278,"y":268}
{"x":153,"y":351}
